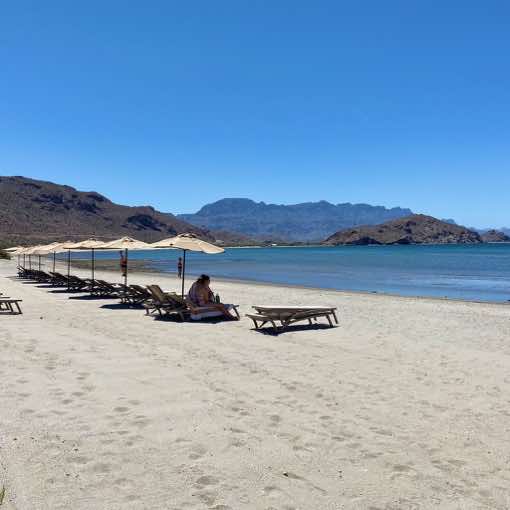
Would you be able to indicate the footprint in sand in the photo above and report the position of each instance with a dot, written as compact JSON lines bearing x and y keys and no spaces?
{"x":101,"y":467}
{"x":273,"y":491}
{"x":206,"y":480}
{"x":197,"y":452}
{"x":275,"y":419}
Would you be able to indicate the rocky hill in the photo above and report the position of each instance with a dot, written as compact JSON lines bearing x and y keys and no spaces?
{"x":37,"y":211}
{"x":495,"y":236}
{"x":414,"y":229}
{"x":299,"y":222}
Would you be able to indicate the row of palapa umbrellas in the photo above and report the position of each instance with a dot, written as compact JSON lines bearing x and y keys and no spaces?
{"x":184,"y":242}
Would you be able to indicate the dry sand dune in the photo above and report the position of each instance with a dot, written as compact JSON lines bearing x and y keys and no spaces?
{"x":405,"y":405}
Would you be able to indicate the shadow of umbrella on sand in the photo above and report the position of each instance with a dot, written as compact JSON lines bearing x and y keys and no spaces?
{"x":125,"y":243}
{"x":187,"y":242}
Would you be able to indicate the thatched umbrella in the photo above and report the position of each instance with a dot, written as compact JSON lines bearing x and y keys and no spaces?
{"x":125,"y":243}
{"x":16,"y":250}
{"x":187,"y":242}
{"x":92,"y":245}
{"x":47,"y":249}
{"x":59,"y":248}
{"x":30,"y":250}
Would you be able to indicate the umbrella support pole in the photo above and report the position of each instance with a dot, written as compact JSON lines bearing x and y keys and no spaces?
{"x":126,"y":268}
{"x":68,"y":267}
{"x":93,"y":264}
{"x":183,"y":272}
{"x":54,"y":257}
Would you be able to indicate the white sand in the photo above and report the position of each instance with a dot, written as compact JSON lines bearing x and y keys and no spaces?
{"x":405,"y":405}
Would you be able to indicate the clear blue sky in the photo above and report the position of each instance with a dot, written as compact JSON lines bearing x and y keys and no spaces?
{"x":176,"y":104}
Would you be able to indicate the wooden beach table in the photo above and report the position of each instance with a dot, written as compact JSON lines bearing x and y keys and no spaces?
{"x":287,"y":315}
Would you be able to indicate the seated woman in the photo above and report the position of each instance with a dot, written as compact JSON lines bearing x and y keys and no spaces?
{"x":201,"y":295}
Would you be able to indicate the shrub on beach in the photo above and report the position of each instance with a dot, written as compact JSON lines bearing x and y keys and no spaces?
{"x":4,"y":255}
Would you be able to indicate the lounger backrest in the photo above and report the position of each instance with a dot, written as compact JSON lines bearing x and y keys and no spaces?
{"x":140,"y":290}
{"x":166,"y":299}
{"x":157,"y":293}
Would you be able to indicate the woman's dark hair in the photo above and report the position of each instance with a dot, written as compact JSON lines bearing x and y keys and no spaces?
{"x":203,"y":278}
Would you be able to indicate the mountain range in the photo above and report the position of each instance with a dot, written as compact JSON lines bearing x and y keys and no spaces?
{"x":309,"y":221}
{"x":35,"y":211}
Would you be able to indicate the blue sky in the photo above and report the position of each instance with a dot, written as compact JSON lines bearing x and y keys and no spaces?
{"x":176,"y":104}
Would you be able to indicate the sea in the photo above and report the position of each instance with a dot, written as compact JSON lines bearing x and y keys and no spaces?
{"x":469,"y":272}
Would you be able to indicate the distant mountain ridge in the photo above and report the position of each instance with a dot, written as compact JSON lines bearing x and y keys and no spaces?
{"x":307,"y":221}
{"x":494,"y":236}
{"x":414,"y":229}
{"x":34,"y":211}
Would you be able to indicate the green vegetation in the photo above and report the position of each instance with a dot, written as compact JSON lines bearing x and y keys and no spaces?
{"x":4,"y":255}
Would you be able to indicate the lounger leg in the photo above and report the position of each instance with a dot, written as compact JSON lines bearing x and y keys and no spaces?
{"x":329,"y":320}
{"x":310,"y":321}
{"x":334,"y":315}
{"x":19,"y":308}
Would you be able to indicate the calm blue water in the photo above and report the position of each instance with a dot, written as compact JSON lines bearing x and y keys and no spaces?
{"x":478,"y":272}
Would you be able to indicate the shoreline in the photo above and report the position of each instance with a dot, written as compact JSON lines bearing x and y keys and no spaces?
{"x":142,"y":268}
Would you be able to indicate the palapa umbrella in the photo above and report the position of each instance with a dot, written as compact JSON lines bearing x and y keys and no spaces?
{"x":92,"y":245}
{"x":16,"y":250}
{"x":126,"y":243}
{"x":58,"y":248}
{"x":47,"y":249}
{"x":30,"y":250}
{"x":187,"y":242}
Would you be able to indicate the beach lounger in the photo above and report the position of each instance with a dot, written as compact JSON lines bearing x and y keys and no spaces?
{"x":287,"y":315}
{"x":8,"y":304}
{"x":106,"y":289}
{"x":133,"y":294}
{"x":136,"y":295}
{"x":75,"y":283}
{"x":197,"y":313}
{"x":164,"y":304}
{"x":173,"y":303}
{"x":58,"y":280}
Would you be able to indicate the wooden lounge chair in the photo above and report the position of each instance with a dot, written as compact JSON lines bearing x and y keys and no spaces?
{"x":58,"y":280}
{"x":202,"y":312}
{"x":169,"y":303}
{"x":287,"y":315}
{"x":137,"y":295}
{"x":105,"y":289}
{"x":8,"y":304}
{"x":164,"y":303}
{"x":134,"y":294}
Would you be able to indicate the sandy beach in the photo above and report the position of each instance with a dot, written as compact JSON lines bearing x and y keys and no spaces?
{"x":404,"y":405}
